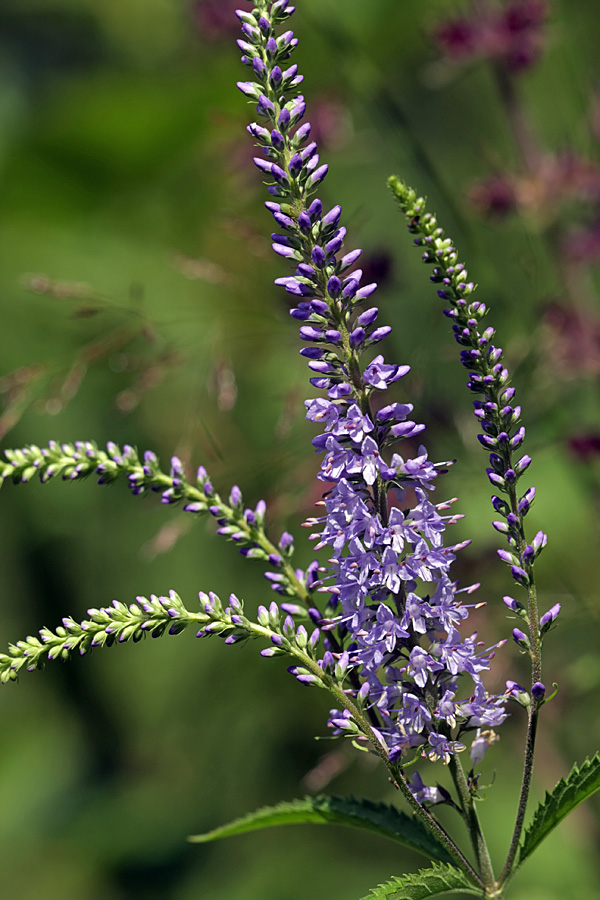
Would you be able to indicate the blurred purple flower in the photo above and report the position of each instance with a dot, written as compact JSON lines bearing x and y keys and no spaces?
{"x":214,"y":20}
{"x":572,"y":339}
{"x":494,"y":196}
{"x":585,"y":446}
{"x":512,"y":35}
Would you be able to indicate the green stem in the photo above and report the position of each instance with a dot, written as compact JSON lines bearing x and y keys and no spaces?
{"x":469,"y":813}
{"x":524,"y":795}
{"x":396,"y":776}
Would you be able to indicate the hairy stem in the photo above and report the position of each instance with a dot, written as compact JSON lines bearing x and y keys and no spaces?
{"x":471,"y":819}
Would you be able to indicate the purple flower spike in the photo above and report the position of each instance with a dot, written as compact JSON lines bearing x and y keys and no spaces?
{"x":393,"y":611}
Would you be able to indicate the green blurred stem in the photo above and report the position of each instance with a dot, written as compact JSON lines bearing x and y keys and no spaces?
{"x":525,"y":140}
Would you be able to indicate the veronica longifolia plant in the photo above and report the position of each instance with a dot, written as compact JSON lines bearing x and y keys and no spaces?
{"x":377,"y":620}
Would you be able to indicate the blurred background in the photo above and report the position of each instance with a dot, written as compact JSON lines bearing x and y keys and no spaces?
{"x":137,"y":305}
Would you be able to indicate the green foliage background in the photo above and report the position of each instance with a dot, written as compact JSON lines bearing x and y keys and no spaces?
{"x":124,"y":165}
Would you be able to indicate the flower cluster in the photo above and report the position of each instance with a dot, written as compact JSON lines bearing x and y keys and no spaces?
{"x":393,"y":614}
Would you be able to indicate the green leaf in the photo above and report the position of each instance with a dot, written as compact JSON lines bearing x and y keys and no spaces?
{"x":580,"y":784}
{"x":376,"y":817}
{"x":426,"y":883}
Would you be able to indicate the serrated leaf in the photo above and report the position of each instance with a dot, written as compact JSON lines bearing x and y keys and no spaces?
{"x":379,"y":818}
{"x":432,"y":882}
{"x":580,"y":784}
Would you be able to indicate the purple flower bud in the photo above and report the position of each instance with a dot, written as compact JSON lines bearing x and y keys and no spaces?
{"x":526,"y":501}
{"x":366,"y":291}
{"x":336,"y":242}
{"x":297,"y":112}
{"x":235,"y":497}
{"x":286,"y":542}
{"x":318,"y":257}
{"x":310,"y":157}
{"x":285,"y":221}
{"x":368,"y":317}
{"x":406,"y":429}
{"x":506,"y":556}
{"x":283,"y":119}
{"x":259,"y":66}
{"x":310,"y":333}
{"x":295,"y":165}
{"x":249,"y":88}
{"x":512,"y":604}
{"x":548,"y":618}
{"x":379,"y":334}
{"x":501,"y":506}
{"x":264,"y":105}
{"x":517,"y":439}
{"x":304,"y":222}
{"x":357,"y":337}
{"x":349,"y":259}
{"x":334,"y":286}
{"x":321,"y":366}
{"x":523,"y":464}
{"x":317,"y":177}
{"x":284,"y":251}
{"x":495,"y":479}
{"x":277,"y":139}
{"x":291,"y":73}
{"x":332,"y":218}
{"x":302,"y":133}
{"x":502,"y":527}
{"x":520,"y":576}
{"x":520,"y":639}
{"x":314,"y":210}
{"x":528,"y":554}
{"x":538,"y":691}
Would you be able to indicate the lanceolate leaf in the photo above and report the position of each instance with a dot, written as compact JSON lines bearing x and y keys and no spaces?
{"x":377,"y":817}
{"x":580,"y":784}
{"x":434,"y":882}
